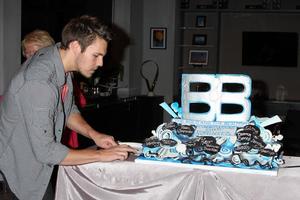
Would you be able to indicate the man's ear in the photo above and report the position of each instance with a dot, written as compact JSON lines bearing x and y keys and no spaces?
{"x":75,"y":47}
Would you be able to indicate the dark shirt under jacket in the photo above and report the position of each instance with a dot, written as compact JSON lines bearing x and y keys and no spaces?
{"x":32,"y":119}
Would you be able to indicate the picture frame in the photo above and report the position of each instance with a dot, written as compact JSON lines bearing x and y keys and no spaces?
{"x":158,"y":38}
{"x":198,"y":57}
{"x":200,"y":21}
{"x":199,"y":39}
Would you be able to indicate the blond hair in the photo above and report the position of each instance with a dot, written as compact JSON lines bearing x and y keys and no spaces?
{"x":40,"y":38}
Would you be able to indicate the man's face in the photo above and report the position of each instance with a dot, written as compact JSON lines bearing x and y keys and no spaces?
{"x":92,"y":58}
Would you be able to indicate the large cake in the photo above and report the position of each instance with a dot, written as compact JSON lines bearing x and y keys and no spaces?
{"x":212,"y":139}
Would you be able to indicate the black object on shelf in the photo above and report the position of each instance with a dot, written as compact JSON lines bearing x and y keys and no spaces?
{"x":129,"y":119}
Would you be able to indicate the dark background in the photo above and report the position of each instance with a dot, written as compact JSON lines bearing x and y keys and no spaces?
{"x":52,"y":15}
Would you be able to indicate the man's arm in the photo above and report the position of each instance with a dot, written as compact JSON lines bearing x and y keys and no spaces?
{"x":78,"y":124}
{"x":77,"y":157}
{"x":111,"y":150}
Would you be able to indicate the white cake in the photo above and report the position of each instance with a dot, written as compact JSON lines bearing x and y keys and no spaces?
{"x":214,"y":140}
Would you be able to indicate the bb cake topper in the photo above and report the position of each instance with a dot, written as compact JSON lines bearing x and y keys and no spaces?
{"x":214,"y":97}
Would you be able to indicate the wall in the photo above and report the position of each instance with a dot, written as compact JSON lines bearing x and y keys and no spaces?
{"x":133,"y":16}
{"x":232,"y":26}
{"x":160,"y":14}
{"x":137,"y":45}
{"x":122,"y":20}
{"x":10,"y":40}
{"x":224,"y":28}
{"x":138,"y":18}
{"x":128,"y":16}
{"x":1,"y":47}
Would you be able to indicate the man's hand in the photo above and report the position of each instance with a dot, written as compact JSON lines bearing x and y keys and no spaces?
{"x":104,"y":141}
{"x":83,"y":156}
{"x":119,"y":152}
{"x":79,"y":125}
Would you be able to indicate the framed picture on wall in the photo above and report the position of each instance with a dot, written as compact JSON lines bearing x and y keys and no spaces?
{"x":158,"y":38}
{"x":198,"y":57}
{"x":200,"y":21}
{"x":199,"y":39}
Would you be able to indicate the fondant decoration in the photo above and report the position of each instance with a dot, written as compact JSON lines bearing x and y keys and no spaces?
{"x":167,"y":108}
{"x":250,"y":146}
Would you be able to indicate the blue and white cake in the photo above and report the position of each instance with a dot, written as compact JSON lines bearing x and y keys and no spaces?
{"x":215,"y":140}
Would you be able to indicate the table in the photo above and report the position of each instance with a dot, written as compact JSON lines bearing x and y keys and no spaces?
{"x":129,"y":180}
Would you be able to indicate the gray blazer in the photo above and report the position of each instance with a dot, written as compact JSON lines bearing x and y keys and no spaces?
{"x":32,"y":119}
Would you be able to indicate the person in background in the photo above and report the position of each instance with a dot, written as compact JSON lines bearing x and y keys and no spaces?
{"x":39,"y":103}
{"x":70,"y":137}
{"x":34,"y":41}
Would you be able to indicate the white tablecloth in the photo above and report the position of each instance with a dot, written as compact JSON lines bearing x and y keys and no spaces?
{"x":129,"y":180}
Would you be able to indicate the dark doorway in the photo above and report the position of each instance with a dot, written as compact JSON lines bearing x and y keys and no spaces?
{"x":52,"y":15}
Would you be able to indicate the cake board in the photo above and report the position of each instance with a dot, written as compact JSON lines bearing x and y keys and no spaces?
{"x":270,"y":172}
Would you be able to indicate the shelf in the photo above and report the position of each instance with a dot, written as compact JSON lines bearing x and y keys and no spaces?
{"x":195,"y":69}
{"x":192,"y":10}
{"x":197,"y":46}
{"x":196,"y":28}
{"x":243,"y":10}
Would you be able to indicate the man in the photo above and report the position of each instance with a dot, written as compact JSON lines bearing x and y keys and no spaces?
{"x":39,"y":103}
{"x":32,"y":42}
